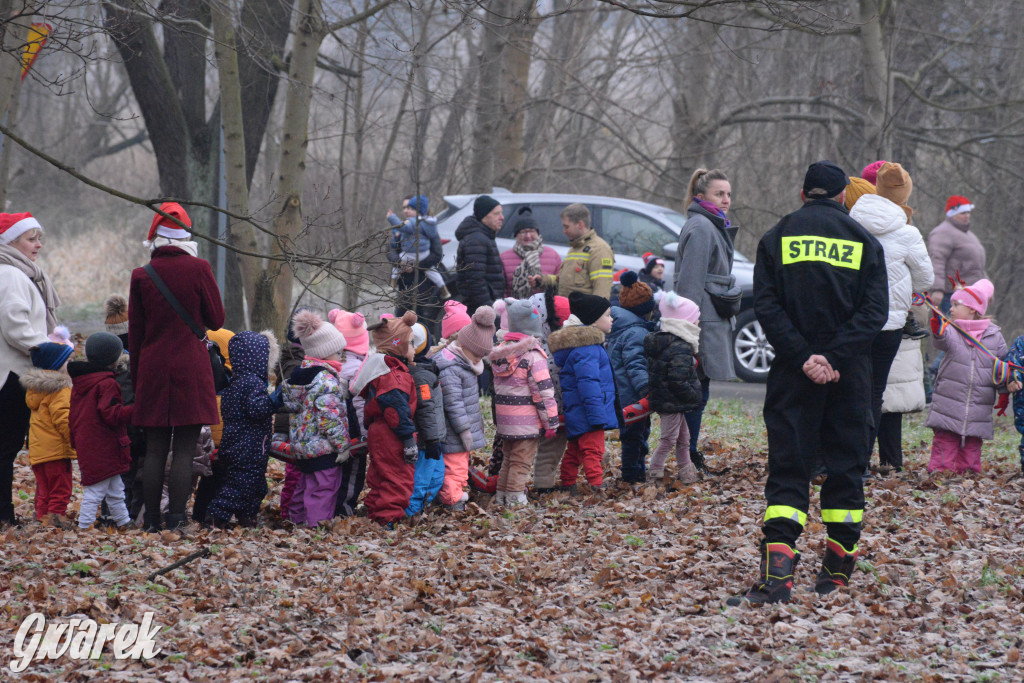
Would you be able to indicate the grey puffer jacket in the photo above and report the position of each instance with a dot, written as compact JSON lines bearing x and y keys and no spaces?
{"x":964,"y":394}
{"x":706,"y":252}
{"x":461,"y":401}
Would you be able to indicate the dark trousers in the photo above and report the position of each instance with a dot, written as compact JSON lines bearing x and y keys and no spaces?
{"x":179,"y":484}
{"x":890,"y":439}
{"x":883,"y":351}
{"x":14,"y":418}
{"x":207,"y":490}
{"x":420,"y":298}
{"x":806,"y":421}
{"x":694,"y":417}
{"x":634,"y":438}
{"x":353,"y":478}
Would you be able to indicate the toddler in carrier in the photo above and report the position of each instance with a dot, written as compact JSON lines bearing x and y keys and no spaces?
{"x":413,"y":238}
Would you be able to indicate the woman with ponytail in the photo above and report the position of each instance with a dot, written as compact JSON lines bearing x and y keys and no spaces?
{"x":704,"y":276}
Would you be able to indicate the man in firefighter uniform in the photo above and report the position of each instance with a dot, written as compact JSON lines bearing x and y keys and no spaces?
{"x":588,"y":266}
{"x":821,"y":296}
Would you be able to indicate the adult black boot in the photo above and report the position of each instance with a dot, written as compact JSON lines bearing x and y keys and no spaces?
{"x":152,"y":523}
{"x":775,"y":576}
{"x":911,"y":330}
{"x":697,"y":458}
{"x":176,"y":522}
{"x":836,"y":568}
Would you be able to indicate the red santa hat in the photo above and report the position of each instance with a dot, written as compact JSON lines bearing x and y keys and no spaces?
{"x":957,"y":204}
{"x":165,"y":227}
{"x":14,"y":225}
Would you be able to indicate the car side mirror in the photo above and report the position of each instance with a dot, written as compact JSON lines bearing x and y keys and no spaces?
{"x":671,"y":251}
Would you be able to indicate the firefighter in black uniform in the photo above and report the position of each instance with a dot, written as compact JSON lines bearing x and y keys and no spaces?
{"x":821,"y":295}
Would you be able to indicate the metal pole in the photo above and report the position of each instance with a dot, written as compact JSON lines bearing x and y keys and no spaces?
{"x":222,"y":219}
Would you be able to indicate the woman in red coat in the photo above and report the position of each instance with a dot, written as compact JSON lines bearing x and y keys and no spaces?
{"x":170,"y":366}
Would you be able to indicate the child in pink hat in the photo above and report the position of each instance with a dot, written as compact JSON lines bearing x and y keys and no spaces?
{"x":961,"y":410}
{"x":357,"y":345}
{"x":456,"y":316}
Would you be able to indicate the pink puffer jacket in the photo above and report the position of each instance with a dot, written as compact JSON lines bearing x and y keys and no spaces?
{"x":524,"y":394}
{"x":550,"y":264}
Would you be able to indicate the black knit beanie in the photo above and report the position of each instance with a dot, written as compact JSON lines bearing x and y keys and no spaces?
{"x":483,"y":205}
{"x":588,"y":307}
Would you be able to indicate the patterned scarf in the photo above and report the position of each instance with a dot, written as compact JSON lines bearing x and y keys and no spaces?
{"x":713,"y":210}
{"x":530,"y":265}
{"x":9,"y":256}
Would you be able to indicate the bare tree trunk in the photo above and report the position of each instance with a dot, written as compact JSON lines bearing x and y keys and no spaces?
{"x":875,"y":72}
{"x":13,"y":36}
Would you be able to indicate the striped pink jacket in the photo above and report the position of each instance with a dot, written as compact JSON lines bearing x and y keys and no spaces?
{"x":524,"y":394}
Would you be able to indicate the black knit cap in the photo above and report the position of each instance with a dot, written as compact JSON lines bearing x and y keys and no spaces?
{"x":588,"y":307}
{"x":483,"y":205}
{"x":824,"y":175}
{"x":524,"y":221}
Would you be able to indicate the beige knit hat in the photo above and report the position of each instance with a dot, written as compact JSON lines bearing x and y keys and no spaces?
{"x":318,"y":339}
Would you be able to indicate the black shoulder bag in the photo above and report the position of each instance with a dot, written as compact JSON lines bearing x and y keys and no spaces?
{"x":221,"y":375}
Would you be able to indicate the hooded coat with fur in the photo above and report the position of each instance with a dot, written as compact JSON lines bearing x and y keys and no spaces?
{"x":585,"y":374}
{"x":248,"y":414}
{"x":524,"y":394}
{"x":48,"y":395}
{"x":674,"y":386}
{"x":99,"y":423}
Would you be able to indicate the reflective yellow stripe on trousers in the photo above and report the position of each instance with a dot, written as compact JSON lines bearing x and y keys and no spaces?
{"x":785,"y":512}
{"x":842,"y":516}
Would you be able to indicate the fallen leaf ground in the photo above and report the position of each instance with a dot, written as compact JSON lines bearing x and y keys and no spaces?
{"x":620,"y":587}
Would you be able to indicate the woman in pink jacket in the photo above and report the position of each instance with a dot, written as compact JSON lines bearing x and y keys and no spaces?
{"x":524,"y":399}
{"x":529,"y":259}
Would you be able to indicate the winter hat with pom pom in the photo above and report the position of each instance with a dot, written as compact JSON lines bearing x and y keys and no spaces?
{"x":562,"y":309}
{"x":116,"y":309}
{"x":540,"y":302}
{"x":635,"y":296}
{"x":975,"y":297}
{"x":456,"y":316}
{"x":393,"y":336}
{"x":318,"y":339}
{"x":501,"y":313}
{"x":353,"y":326}
{"x":478,"y":336}
{"x":679,"y":308}
{"x":61,"y":335}
{"x":525,"y":316}
{"x":870,"y":172}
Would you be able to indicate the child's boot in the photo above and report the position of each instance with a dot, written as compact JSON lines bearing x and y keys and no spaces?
{"x":515,"y":499}
{"x":775,"y":576}
{"x":836,"y":568}
{"x":499,"y":499}
{"x":911,"y":330}
{"x":688,"y":474}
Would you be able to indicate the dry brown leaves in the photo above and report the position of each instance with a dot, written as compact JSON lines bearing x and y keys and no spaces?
{"x":624,"y":587}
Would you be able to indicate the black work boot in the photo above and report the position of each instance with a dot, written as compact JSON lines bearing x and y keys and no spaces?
{"x":911,"y":330}
{"x":152,"y":523}
{"x":176,"y":522}
{"x":775,"y":576}
{"x":697,"y":458}
{"x":836,"y":568}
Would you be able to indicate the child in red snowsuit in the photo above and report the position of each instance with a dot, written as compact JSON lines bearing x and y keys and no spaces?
{"x":384,"y":381}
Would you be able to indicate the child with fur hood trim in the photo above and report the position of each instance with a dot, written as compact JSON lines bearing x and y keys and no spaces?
{"x":318,"y":434}
{"x":524,"y":399}
{"x":390,"y":393}
{"x":247,"y":411}
{"x":48,"y":396}
{"x":588,"y":386}
{"x":99,"y":429}
{"x":674,"y":388}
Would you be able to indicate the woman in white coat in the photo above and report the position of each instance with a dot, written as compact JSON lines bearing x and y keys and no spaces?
{"x":885,"y":215}
{"x":904,"y":393}
{"x":28,"y":305}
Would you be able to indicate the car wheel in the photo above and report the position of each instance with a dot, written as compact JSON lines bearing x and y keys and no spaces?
{"x":752,"y":354}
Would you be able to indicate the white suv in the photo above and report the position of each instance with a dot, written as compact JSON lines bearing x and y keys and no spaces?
{"x":632,"y":228}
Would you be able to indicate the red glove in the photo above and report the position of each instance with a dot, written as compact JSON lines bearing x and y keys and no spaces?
{"x":1004,"y":400}
{"x":549,"y":433}
{"x":935,"y":324}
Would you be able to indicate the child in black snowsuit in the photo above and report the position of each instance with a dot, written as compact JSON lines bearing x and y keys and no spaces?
{"x":247,"y":411}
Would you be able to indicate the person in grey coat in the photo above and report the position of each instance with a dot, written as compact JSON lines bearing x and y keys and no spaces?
{"x":704,"y":266}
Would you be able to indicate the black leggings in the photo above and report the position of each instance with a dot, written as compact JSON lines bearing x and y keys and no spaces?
{"x":14,"y":418}
{"x":179,"y":484}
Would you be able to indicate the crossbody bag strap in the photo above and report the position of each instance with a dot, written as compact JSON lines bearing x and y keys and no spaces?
{"x":173,"y":301}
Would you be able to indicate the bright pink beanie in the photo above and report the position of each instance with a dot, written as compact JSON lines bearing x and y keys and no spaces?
{"x":456,"y":316}
{"x":870,"y":172}
{"x":674,"y":306}
{"x":353,"y":326}
{"x":975,"y":297}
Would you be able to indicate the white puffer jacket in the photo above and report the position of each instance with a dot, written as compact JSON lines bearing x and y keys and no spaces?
{"x":904,"y":390}
{"x":906,"y":256}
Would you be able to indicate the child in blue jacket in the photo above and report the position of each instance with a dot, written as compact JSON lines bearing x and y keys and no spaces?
{"x":430,"y":428}
{"x":631,"y":325}
{"x":588,"y":386}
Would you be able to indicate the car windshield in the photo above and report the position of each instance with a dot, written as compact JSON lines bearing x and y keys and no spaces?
{"x":677,"y":218}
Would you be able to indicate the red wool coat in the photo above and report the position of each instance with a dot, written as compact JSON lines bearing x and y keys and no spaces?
{"x":99,"y":423}
{"x":170,"y":365}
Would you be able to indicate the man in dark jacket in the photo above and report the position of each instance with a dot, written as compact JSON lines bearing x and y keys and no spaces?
{"x":479,"y":271}
{"x":821,"y":295}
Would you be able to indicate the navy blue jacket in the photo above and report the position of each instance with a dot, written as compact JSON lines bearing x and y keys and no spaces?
{"x":626,"y":352}
{"x":585,"y":373}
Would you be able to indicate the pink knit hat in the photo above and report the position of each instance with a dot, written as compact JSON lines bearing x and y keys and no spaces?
{"x":353,"y":326}
{"x":456,"y":316}
{"x":674,"y":306}
{"x":501,"y":313}
{"x":870,"y":172}
{"x":478,"y":336}
{"x":975,"y":297}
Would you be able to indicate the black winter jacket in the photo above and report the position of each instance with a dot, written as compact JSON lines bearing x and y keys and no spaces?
{"x":429,"y":417}
{"x":673,"y":387}
{"x":479,"y":272}
{"x":820,"y":285}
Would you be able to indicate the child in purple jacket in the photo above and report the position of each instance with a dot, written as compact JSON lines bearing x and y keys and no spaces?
{"x":961,"y":412}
